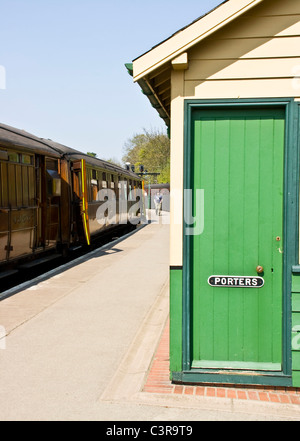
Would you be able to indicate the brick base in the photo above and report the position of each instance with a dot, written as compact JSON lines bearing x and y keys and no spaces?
{"x":158,"y":381}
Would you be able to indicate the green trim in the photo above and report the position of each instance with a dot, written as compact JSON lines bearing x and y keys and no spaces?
{"x":186,"y":291}
{"x":296,"y":360}
{"x":236,"y":365}
{"x":175,"y":318}
{"x":296,"y":319}
{"x":296,"y":379}
{"x":296,"y":282}
{"x":197,"y":376}
{"x":291,"y":234}
{"x":291,"y":226}
{"x":296,"y":302}
{"x":129,"y":67}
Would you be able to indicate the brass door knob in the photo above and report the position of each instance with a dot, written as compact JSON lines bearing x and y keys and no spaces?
{"x":259,"y":269}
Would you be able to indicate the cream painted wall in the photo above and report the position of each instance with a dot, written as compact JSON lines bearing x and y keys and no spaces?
{"x":176,"y":187}
{"x":256,"y":56}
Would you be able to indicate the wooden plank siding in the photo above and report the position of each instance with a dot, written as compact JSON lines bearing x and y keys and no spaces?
{"x":238,"y":161}
{"x":296,"y":329}
{"x":256,"y":56}
{"x":243,"y":69}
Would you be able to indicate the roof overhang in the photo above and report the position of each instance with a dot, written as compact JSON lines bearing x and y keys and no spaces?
{"x":152,"y":70}
{"x":155,"y":101}
{"x":184,"y":39}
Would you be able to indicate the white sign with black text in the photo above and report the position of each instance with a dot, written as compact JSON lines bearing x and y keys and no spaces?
{"x":236,"y":281}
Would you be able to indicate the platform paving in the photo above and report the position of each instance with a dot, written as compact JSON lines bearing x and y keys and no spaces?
{"x":82,"y":343}
{"x":158,"y":381}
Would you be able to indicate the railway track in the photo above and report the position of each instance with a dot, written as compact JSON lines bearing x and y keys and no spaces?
{"x":28,"y":271}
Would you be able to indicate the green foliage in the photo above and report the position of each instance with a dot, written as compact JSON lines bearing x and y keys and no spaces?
{"x":94,"y":155}
{"x":114,"y":161}
{"x":152,"y":150}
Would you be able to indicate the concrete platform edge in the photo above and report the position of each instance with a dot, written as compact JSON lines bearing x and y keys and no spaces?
{"x":131,"y":374}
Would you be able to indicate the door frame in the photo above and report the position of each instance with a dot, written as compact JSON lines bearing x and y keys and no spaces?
{"x":80,"y":167}
{"x":290,"y":244}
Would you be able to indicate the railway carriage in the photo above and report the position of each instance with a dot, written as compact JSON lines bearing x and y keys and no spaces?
{"x":49,"y":198}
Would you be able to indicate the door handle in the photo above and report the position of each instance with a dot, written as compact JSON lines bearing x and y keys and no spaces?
{"x":259,"y":269}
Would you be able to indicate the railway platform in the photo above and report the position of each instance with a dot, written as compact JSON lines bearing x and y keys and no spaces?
{"x":83,"y":341}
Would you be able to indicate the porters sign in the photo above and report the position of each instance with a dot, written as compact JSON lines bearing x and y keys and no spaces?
{"x":236,"y":281}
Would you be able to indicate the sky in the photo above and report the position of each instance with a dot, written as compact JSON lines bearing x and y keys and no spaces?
{"x":62,"y":73}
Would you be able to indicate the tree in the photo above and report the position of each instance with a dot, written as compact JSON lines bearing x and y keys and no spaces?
{"x":114,"y":161}
{"x":152,"y":150}
{"x":94,"y":155}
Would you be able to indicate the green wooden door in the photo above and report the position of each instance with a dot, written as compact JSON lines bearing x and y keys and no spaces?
{"x":238,"y":160}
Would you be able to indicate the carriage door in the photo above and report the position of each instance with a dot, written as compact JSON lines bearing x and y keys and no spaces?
{"x":237,"y":261}
{"x":53,"y":200}
{"x":80,"y":201}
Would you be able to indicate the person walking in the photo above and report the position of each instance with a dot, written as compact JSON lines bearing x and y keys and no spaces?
{"x":158,"y":203}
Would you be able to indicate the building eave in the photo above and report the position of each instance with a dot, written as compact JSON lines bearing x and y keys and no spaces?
{"x":155,"y":101}
{"x":192,"y":34}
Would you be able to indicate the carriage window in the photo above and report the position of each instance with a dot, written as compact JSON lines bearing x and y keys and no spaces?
{"x":27,"y":159}
{"x":94,"y":192}
{"x":125,"y":193}
{"x":77,"y":186}
{"x":94,"y":188}
{"x":52,"y":164}
{"x":130,"y":196}
{"x":112,"y":183}
{"x":104,"y":181}
{"x":3,"y":155}
{"x":14,"y":157}
{"x":20,"y":158}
